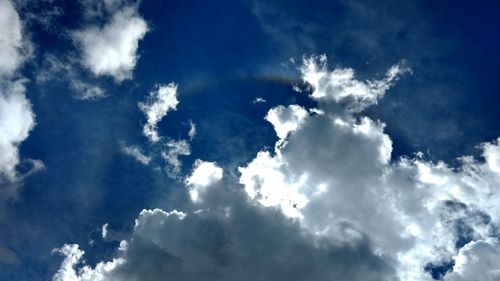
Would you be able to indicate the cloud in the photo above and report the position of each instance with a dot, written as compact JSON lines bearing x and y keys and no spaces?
{"x":259,"y":100}
{"x":136,"y":152}
{"x":174,"y":149}
{"x":158,"y":104}
{"x":204,"y":174}
{"x":16,"y":121}
{"x":112,"y":49}
{"x":227,"y":239}
{"x":328,"y":203}
{"x":477,"y":261}
{"x":192,"y":130}
{"x":16,"y":115}
{"x":54,"y":69}
{"x":14,"y":48}
{"x":340,"y":84}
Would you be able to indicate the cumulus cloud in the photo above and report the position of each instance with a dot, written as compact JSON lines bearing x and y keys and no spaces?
{"x":340,"y":85}
{"x":228,"y":239}
{"x":204,"y":174}
{"x":328,"y":203}
{"x":16,"y":115}
{"x":14,"y":47}
{"x":158,"y":104}
{"x":16,"y":121}
{"x":112,"y":49}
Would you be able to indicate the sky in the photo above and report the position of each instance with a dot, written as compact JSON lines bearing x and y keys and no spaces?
{"x":249,"y":140}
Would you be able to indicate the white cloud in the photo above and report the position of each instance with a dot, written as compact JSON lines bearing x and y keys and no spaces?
{"x":13,"y":46}
{"x":328,"y":203}
{"x":16,"y":115}
{"x":477,"y":261}
{"x":104,"y":230}
{"x":259,"y":100}
{"x":340,"y":84}
{"x":73,"y":256}
{"x":158,"y":104}
{"x":286,"y":119}
{"x":204,"y":174}
{"x":112,"y":48}
{"x":174,"y":149}
{"x":16,"y":121}
{"x":136,"y":152}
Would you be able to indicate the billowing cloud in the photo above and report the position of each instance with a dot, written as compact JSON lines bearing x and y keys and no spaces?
{"x":13,"y":46}
{"x":158,"y":104}
{"x":328,"y":203}
{"x":340,"y":85}
{"x":204,"y":174}
{"x":16,"y":116}
{"x":112,"y":49}
{"x":227,"y":239}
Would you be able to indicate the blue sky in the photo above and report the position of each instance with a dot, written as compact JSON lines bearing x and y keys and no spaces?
{"x":249,"y":140}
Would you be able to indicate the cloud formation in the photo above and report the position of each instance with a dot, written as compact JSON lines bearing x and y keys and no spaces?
{"x":136,"y":152}
{"x":16,"y":116}
{"x":111,"y":49}
{"x":328,"y":203}
{"x":159,"y":103}
{"x":14,"y":47}
{"x":16,"y":121}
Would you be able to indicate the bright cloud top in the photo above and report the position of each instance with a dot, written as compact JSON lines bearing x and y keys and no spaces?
{"x":159,"y":103}
{"x":16,"y":121}
{"x":328,"y":203}
{"x":340,"y":84}
{"x":204,"y":174}
{"x":112,"y":49}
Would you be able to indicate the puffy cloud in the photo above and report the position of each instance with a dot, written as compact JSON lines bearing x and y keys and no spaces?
{"x":158,"y":104}
{"x":204,"y":174}
{"x":329,"y":203}
{"x":112,"y":48}
{"x":16,"y":116}
{"x":136,"y":152}
{"x":340,"y":85}
{"x":286,"y":119}
{"x":73,"y":256}
{"x":13,"y":46}
{"x":16,"y":121}
{"x":477,"y":261}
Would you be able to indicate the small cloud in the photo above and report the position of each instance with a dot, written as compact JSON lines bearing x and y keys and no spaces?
{"x":175,"y":148}
{"x":192,"y":130}
{"x":136,"y":152}
{"x":259,"y":100}
{"x":104,"y":231}
{"x":156,"y":107}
